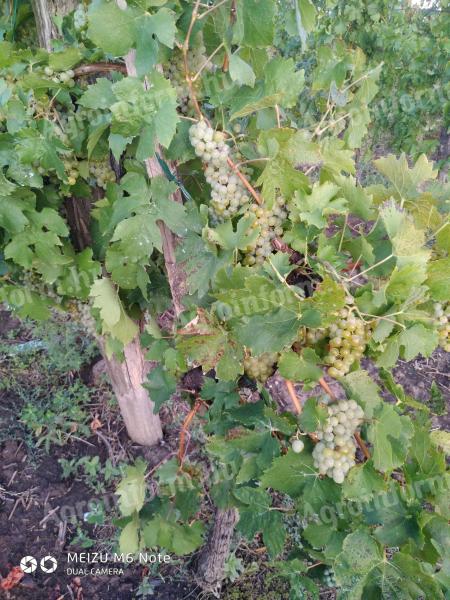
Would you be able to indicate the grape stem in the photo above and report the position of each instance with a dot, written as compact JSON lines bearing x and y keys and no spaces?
{"x":277,"y":113}
{"x":297,"y":405}
{"x":327,"y":388}
{"x":99,"y":67}
{"x":210,"y":10}
{"x":185,"y":431}
{"x":185,"y":49}
{"x":205,"y":64}
{"x":283,"y":280}
{"x":293,"y":396}
{"x":379,"y":263}
{"x":314,"y":565}
{"x":245,"y":181}
{"x":362,"y":445}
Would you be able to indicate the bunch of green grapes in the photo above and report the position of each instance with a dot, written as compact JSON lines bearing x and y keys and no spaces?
{"x":176,"y":73}
{"x":228,"y":193}
{"x":38,"y":107}
{"x":270,"y":223}
{"x":334,"y":454}
{"x":313,"y":336}
{"x":329,"y":578}
{"x":260,"y":367}
{"x":71,"y":168}
{"x":63,"y":77}
{"x":442,"y":316}
{"x":102,"y":173}
{"x":348,"y":340}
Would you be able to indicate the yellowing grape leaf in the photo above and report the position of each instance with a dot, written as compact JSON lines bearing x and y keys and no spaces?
{"x":115,"y":321}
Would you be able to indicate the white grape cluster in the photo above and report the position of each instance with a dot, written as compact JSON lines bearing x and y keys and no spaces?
{"x":71,"y":169}
{"x":176,"y":73}
{"x":442,"y":316}
{"x":260,"y":367}
{"x":310,"y":337}
{"x":64,"y":77}
{"x":334,"y":454}
{"x":102,"y":173}
{"x":348,"y":340}
{"x":228,"y":193}
{"x":329,"y":578}
{"x":270,"y":221}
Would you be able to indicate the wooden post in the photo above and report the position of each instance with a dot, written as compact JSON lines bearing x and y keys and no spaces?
{"x":44,"y":12}
{"x":211,"y":562}
{"x":143,"y":425}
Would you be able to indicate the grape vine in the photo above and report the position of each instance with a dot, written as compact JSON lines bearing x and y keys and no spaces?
{"x":177,"y":146}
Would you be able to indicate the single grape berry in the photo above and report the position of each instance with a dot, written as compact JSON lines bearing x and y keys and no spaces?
{"x":297,"y":446}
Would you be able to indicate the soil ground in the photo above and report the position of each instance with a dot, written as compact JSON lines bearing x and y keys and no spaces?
{"x":37,"y":505}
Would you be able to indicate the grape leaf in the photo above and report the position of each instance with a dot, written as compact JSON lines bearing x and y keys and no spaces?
{"x":161,"y":385}
{"x":362,"y":482}
{"x":201,"y":262}
{"x":98,"y":95}
{"x":289,"y":473}
{"x":258,"y":22}
{"x":358,"y":199}
{"x":328,"y":298}
{"x":257,"y":516}
{"x":354,"y":565}
{"x":12,"y":212}
{"x":162,"y":24}
{"x":312,"y":416}
{"x":241,"y":72}
{"x":438,"y":279}
{"x":225,"y":236}
{"x":282,"y":86}
{"x":111,"y":28}
{"x":131,"y":489}
{"x":129,"y":538}
{"x":405,"y":179}
{"x":418,"y":340}
{"x":391,"y":436}
{"x":26,"y":303}
{"x":276,"y":329}
{"x":441,"y":439}
{"x":66,"y":59}
{"x":397,"y":521}
{"x":256,"y":294}
{"x":114,"y":319}
{"x":300,"y":367}
{"x":313,"y":208}
{"x":414,"y":576}
{"x":403,"y":281}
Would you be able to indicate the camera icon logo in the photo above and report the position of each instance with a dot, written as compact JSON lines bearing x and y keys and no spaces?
{"x":28,"y":564}
{"x":48,"y":564}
